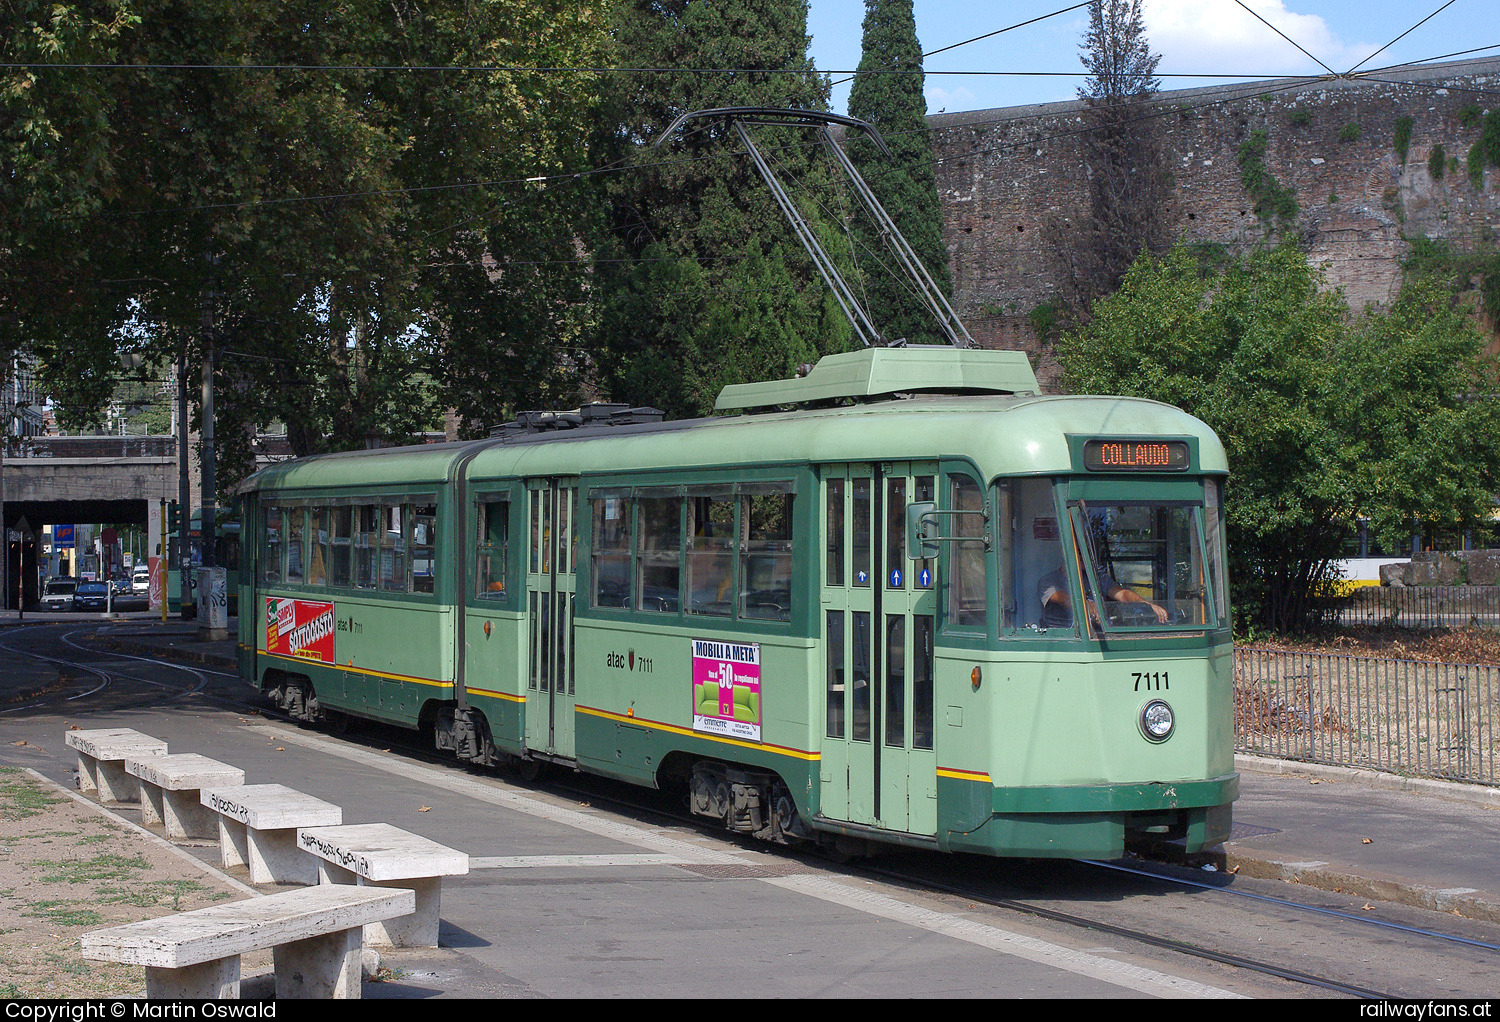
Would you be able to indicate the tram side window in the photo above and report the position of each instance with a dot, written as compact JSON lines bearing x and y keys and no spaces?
{"x":494,"y":535}
{"x":423,"y":547}
{"x":366,"y":545}
{"x":860,"y":492}
{"x":710,"y":559}
{"x":270,"y":554}
{"x":393,"y":550}
{"x":1216,"y":553}
{"x":967,"y":582}
{"x":611,"y":552}
{"x":295,"y":537}
{"x":317,"y":543}
{"x":766,"y":563}
{"x":340,"y":546}
{"x":659,"y":572}
{"x":833,"y":574}
{"x":1037,"y":555}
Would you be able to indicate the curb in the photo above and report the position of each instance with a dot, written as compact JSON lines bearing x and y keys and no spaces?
{"x":1462,"y":901}
{"x":1478,"y":794}
{"x":1468,"y":902}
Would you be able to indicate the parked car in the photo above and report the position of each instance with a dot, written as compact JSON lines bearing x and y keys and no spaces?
{"x":91,"y":596}
{"x":57,"y":592}
{"x":140,"y":580}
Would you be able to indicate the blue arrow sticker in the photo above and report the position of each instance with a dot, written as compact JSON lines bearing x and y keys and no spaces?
{"x":896,"y":578}
{"x":864,"y":577}
{"x":924,"y":578}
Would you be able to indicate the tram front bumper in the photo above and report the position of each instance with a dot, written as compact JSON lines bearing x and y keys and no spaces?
{"x":1093,"y":821}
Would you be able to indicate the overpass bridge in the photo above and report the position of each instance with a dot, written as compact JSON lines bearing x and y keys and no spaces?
{"x":61,"y":480}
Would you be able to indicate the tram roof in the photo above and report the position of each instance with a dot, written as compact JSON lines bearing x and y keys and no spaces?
{"x":909,"y":404}
{"x":1001,"y":435}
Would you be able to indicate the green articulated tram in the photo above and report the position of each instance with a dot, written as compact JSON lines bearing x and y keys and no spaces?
{"x":901,"y":599}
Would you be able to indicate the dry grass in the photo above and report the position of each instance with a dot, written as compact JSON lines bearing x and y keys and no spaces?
{"x":1405,"y":700}
{"x":1442,"y":645}
{"x":66,"y":869}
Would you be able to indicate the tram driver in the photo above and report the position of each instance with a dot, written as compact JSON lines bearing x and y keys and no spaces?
{"x":1057,"y":607}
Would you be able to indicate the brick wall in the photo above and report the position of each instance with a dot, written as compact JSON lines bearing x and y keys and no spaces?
{"x":1009,"y":179}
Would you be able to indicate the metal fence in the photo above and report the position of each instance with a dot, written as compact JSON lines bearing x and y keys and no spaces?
{"x":1414,"y":607}
{"x":1417,"y":718}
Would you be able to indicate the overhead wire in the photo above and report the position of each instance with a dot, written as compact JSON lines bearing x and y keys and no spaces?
{"x":621,"y":165}
{"x":625,"y":165}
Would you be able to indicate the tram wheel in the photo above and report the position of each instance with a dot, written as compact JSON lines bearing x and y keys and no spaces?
{"x":703,"y":795}
{"x":785,"y":813}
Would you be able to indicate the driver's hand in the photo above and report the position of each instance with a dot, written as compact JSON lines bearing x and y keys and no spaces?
{"x":1159,"y":611}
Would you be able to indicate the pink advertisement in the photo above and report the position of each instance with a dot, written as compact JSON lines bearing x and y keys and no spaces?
{"x":726,"y":688}
{"x":301,"y":628}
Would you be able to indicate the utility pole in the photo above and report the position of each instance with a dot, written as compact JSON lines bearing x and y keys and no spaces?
{"x":184,"y":489}
{"x":212,"y":598}
{"x":208,"y":522}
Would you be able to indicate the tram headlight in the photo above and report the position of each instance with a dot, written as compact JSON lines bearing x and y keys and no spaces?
{"x":1157,"y":721}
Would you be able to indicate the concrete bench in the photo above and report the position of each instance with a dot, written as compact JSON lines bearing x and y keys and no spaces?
{"x":314,"y":934}
{"x":101,"y":760}
{"x":379,"y":855}
{"x":258,"y":828}
{"x":170,"y":787}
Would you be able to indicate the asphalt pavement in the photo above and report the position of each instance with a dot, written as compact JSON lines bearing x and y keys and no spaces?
{"x":1430,"y":844}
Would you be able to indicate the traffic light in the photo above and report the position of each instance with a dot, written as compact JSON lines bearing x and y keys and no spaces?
{"x":172,"y":521}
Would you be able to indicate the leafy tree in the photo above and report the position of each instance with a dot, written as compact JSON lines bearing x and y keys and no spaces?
{"x":302,"y":182}
{"x":1127,"y":177}
{"x":887,"y":92}
{"x":701,"y":281}
{"x":1324,"y":416}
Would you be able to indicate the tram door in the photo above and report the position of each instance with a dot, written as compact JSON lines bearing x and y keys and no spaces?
{"x":878,"y":765}
{"x":551,"y":567}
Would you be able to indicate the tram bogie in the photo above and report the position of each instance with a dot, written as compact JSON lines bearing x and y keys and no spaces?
{"x":844,"y":616}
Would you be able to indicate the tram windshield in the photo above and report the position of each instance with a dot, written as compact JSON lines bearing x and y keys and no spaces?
{"x":1133,"y":565}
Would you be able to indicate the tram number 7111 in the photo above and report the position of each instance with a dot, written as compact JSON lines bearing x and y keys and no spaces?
{"x":1150,"y":681}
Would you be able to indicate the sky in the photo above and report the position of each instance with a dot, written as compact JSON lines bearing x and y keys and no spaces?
{"x":1196,"y":38}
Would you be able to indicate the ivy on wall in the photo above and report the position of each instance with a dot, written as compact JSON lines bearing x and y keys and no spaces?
{"x":1402,"y":141}
{"x":1275,"y":204}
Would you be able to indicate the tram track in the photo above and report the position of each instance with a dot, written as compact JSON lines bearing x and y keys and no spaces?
{"x":1161,"y":943}
{"x":975,"y":894}
{"x":598,"y":793}
{"x":71,"y":686}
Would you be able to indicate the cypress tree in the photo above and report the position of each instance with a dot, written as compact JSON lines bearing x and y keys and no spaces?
{"x":701,"y":280}
{"x":1128,"y":183}
{"x":887,"y":92}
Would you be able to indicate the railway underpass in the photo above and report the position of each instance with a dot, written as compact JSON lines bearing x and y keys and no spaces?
{"x":47,"y":481}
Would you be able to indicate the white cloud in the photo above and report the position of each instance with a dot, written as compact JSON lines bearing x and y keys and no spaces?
{"x":1221,"y":37}
{"x":940,"y":99}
